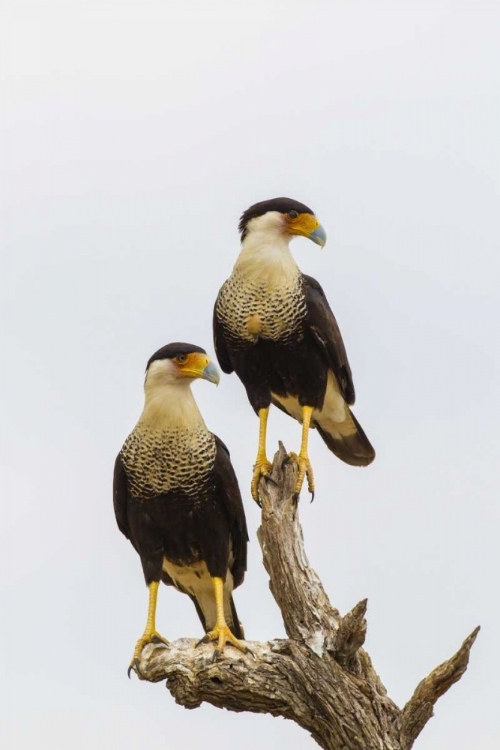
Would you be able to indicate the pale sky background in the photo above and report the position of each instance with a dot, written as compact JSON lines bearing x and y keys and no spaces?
{"x":134,"y":133}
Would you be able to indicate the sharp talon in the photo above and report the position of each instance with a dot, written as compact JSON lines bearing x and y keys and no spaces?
{"x":223,"y":637}
{"x":205,"y":639}
{"x":295,"y":497}
{"x":134,"y":667}
{"x":257,"y":500}
{"x":249,"y":651}
{"x":270,"y":479}
{"x":215,"y":656}
{"x":261,"y":468}
{"x":159,"y":640}
{"x":312,"y":496}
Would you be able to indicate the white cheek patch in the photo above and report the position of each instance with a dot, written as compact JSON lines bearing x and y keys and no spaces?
{"x":271,"y":222}
{"x":162,"y":371}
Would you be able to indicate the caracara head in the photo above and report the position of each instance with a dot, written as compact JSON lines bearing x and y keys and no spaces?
{"x":283,"y":217}
{"x":180,"y":364}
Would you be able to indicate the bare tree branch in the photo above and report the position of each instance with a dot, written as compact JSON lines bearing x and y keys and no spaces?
{"x":305,"y":607}
{"x":320,"y":677}
{"x":419,"y":708}
{"x":351,"y":635}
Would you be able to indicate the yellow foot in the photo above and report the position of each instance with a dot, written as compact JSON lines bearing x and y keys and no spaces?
{"x":305,"y":469}
{"x":223,"y":635}
{"x":261,"y":468}
{"x":152,"y":637}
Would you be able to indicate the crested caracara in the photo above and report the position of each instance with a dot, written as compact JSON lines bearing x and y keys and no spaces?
{"x":273,"y":326}
{"x":176,"y":497}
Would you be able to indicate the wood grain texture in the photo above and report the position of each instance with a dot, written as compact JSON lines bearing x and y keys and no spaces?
{"x":320,"y":677}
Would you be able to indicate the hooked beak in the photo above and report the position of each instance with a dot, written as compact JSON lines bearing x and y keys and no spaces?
{"x":211,"y":373}
{"x":198,"y":365}
{"x":318,"y":236}
{"x":306,"y":225}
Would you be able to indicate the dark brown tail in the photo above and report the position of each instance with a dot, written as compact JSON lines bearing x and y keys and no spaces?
{"x":346,"y":439}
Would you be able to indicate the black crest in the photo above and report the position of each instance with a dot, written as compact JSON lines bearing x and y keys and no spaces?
{"x":283,"y":205}
{"x":173,"y":350}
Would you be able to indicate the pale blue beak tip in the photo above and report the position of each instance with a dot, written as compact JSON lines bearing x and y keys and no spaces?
{"x":211,"y":373}
{"x":318,"y":236}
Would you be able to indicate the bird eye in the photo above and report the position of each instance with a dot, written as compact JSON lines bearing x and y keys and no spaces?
{"x":181,"y":358}
{"x":293,"y":214}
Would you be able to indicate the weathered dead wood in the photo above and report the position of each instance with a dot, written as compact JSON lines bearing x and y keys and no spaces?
{"x":351,"y":635}
{"x":320,"y":677}
{"x":419,"y":708}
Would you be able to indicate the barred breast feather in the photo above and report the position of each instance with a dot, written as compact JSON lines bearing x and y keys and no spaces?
{"x":157,"y":461}
{"x":248,"y":310}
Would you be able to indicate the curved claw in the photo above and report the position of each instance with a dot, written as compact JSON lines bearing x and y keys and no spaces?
{"x":134,"y":665}
{"x":148,"y":637}
{"x":215,"y":656}
{"x":159,"y":640}
{"x":305,"y":470}
{"x":223,"y":636}
{"x":261,"y":468}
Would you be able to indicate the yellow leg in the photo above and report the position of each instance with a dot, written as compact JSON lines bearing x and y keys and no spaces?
{"x":150,"y":634}
{"x":305,"y":468}
{"x":261,"y":466}
{"x":221,"y":632}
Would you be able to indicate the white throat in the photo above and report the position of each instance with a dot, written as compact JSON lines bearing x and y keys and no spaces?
{"x":265,"y":256}
{"x":170,"y":406}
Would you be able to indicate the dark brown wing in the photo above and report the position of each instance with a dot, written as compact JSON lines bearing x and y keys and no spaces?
{"x":231,"y":497}
{"x":326,"y":334}
{"x":120,"y":497}
{"x":221,"y":350}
